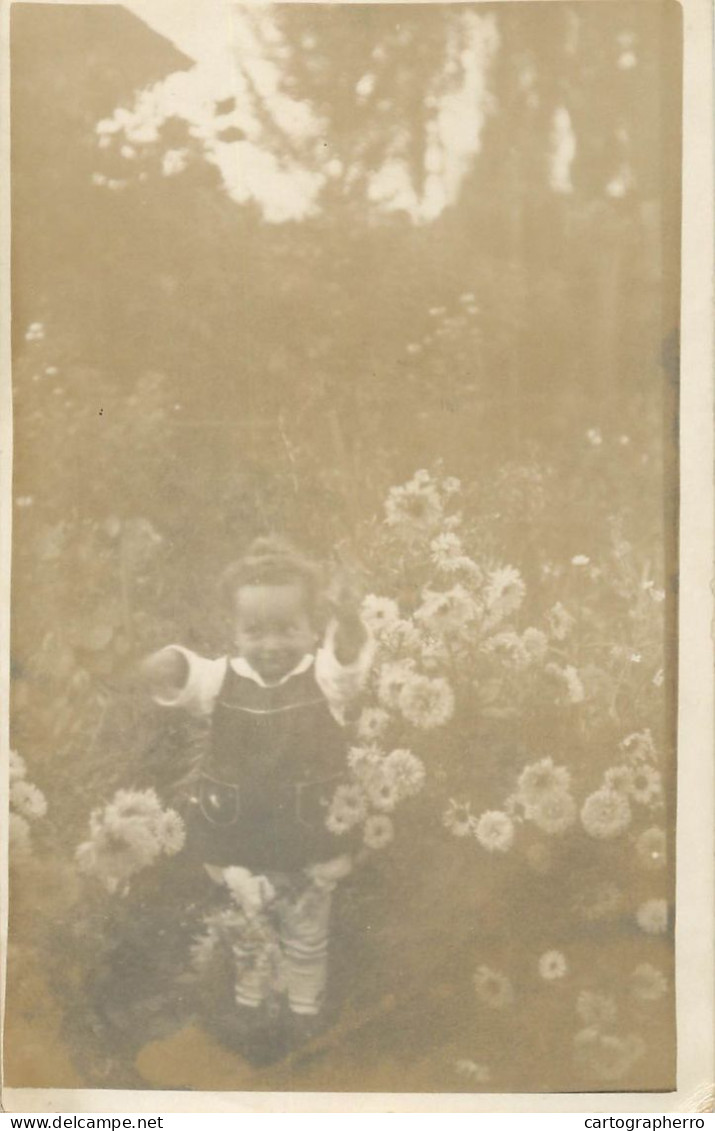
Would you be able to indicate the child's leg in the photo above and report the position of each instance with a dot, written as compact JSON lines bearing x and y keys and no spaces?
{"x":304,"y":928}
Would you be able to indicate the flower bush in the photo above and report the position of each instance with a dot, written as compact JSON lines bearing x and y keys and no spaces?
{"x":509,"y":775}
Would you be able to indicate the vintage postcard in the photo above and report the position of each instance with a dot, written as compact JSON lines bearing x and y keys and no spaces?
{"x":350,"y":553}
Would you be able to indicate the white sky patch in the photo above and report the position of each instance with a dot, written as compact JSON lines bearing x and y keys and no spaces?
{"x":563,"y":151}
{"x":454,"y":132}
{"x":279,"y":162}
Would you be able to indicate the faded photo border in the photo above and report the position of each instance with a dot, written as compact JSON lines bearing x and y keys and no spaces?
{"x":695,"y":919}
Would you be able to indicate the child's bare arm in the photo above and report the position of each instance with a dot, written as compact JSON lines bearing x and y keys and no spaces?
{"x":164,"y":673}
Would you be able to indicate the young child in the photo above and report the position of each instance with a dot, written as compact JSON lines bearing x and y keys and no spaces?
{"x":276,"y":751}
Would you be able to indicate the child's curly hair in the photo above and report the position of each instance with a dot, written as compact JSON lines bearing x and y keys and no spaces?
{"x":272,"y":560}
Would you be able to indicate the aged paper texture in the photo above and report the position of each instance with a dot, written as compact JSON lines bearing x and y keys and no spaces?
{"x":359,"y":484}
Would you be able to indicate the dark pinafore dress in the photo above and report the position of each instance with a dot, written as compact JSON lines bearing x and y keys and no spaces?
{"x":276,"y":756}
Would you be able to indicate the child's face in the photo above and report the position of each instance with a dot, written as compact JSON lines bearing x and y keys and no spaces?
{"x":272,"y":629}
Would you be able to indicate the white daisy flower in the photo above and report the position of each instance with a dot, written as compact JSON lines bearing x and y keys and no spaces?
{"x":378,"y":831}
{"x":647,"y":787}
{"x":648,"y":983}
{"x":505,"y":591}
{"x":379,"y":613}
{"x":458,"y":818}
{"x":495,"y":831}
{"x":347,"y":808}
{"x":652,"y":916}
{"x":445,"y":549}
{"x":651,"y":848}
{"x":27,"y":800}
{"x":392,"y":678}
{"x":605,"y":814}
{"x":172,"y":833}
{"x":640,"y":746}
{"x":447,"y":612}
{"x":554,"y":814}
{"x":552,"y":965}
{"x":382,"y":791}
{"x":493,"y":988}
{"x":407,"y":770}
{"x":414,"y":507}
{"x":426,"y":703}
{"x":372,"y":723}
{"x":540,"y":780}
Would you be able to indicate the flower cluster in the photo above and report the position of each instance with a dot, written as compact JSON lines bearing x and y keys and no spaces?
{"x":379,"y":783}
{"x":27,"y":804}
{"x":129,"y":834}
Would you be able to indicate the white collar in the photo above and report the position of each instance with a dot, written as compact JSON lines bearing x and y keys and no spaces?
{"x":242,"y":667}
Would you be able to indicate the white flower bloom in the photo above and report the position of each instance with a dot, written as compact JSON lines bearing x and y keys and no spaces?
{"x":555,"y":814}
{"x":27,"y":800}
{"x":347,"y":808}
{"x":552,"y":965}
{"x":580,"y":560}
{"x":594,"y":437}
{"x":493,"y":988}
{"x":648,"y":983}
{"x":495,"y":831}
{"x":407,"y":771}
{"x":447,"y":612}
{"x":652,"y":916}
{"x":379,"y":613}
{"x":639,"y":747}
{"x":605,"y":814}
{"x":647,"y":787}
{"x":372,"y":723}
{"x":414,"y":507}
{"x":363,"y":760}
{"x":378,"y":831}
{"x":540,"y":780}
{"x":393,"y":677}
{"x":426,"y":703}
{"x":651,"y":848}
{"x":458,"y":818}
{"x":596,"y":1008}
{"x":382,"y":791}
{"x":172,"y":833}
{"x":445,"y":549}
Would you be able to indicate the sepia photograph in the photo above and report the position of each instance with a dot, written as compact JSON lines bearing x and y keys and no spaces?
{"x":344,"y":612}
